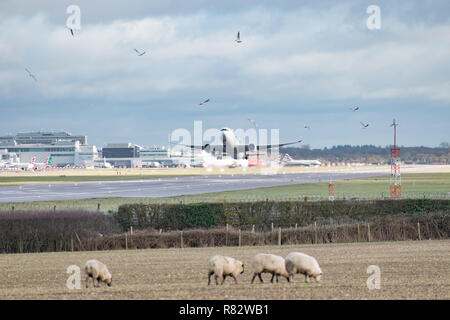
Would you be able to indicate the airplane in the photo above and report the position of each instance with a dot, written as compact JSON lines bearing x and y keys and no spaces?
{"x":19,"y":165}
{"x":231,"y":147}
{"x":42,"y":165}
{"x":152,"y":164}
{"x":288,"y":161}
{"x":103,"y":164}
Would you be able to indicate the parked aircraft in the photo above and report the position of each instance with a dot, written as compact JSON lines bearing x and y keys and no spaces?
{"x":288,"y":161}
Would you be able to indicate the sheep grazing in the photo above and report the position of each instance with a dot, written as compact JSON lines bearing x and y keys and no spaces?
{"x":269,"y":263}
{"x":297,"y":262}
{"x":222,"y":267}
{"x":97,"y":271}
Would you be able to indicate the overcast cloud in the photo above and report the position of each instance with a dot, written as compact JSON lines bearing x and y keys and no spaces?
{"x":299,"y":62}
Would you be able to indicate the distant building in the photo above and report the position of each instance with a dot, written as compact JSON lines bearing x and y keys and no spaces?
{"x":132,"y":155}
{"x":123,"y":154}
{"x":120,"y":150}
{"x":64,"y":148}
{"x":155,"y":156}
{"x":43,"y":137}
{"x":63,"y":153}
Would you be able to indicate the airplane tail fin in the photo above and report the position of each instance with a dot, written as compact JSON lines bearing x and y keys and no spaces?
{"x":287,"y":157}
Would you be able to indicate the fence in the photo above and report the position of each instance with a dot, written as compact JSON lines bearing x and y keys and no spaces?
{"x":394,"y":229}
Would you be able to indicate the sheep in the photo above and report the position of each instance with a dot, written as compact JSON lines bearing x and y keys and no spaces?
{"x":269,"y":263}
{"x":222,"y":267}
{"x":97,"y":271}
{"x":297,"y":262}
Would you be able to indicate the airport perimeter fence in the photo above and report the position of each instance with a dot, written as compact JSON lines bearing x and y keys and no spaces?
{"x":395,"y":228}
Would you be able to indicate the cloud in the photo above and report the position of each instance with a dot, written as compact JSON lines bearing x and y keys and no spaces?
{"x":294,"y":56}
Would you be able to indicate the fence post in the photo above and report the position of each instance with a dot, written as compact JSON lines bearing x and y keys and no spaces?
{"x":98,"y":206}
{"x":295,"y":226}
{"x":358,"y":233}
{"x":253,"y":229}
{"x":272,"y":227}
{"x":131,"y":230}
{"x":368,"y":231}
{"x":279,"y":236}
{"x":79,"y":241}
{"x":71,"y":243}
{"x":160,"y":231}
{"x":226,"y":235}
{"x":181,"y":239}
{"x":315,"y":232}
{"x":126,"y":241}
{"x":54,"y":207}
{"x":240,"y":237}
{"x":12,"y":208}
{"x":418,"y":230}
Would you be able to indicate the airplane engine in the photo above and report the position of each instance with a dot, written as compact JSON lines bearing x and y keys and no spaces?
{"x":207,"y":147}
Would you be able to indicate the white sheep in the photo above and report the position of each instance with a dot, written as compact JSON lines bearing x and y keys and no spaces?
{"x":269,"y":263}
{"x":297,"y":262}
{"x":97,"y":271}
{"x":222,"y":267}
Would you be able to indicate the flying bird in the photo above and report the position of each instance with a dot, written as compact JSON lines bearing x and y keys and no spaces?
{"x":30,"y":74}
{"x":364,"y":125}
{"x":253,"y":122}
{"x":307,"y":127}
{"x":71,"y":31}
{"x":238,"y":39}
{"x":202,"y":103}
{"x":354,"y":109}
{"x":139,"y":53}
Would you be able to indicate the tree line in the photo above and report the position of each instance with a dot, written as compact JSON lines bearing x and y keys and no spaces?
{"x":372,"y":154}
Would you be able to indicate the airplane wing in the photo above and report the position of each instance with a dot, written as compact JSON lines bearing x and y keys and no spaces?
{"x":193,"y":146}
{"x":270,"y":146}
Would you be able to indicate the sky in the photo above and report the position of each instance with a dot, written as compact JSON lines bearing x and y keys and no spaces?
{"x":299,"y":63}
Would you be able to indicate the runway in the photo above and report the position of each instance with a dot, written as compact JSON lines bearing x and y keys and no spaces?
{"x":167,"y":187}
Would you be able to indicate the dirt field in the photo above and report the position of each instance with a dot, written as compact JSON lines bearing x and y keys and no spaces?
{"x":409,"y":270}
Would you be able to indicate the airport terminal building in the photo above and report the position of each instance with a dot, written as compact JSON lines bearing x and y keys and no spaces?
{"x":64,"y":148}
{"x":129,"y":155}
{"x":69,"y":150}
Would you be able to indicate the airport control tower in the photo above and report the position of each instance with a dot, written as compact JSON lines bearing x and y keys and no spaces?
{"x":395,"y":185}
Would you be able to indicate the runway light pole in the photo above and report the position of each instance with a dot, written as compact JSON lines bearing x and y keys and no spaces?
{"x":331,"y":191}
{"x":395,"y":183}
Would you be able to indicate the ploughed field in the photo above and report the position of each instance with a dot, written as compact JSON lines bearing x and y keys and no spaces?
{"x":409,"y":270}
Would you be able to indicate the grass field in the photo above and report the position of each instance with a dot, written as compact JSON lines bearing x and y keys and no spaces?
{"x":103,"y":174}
{"x":414,"y":185}
{"x":409,"y":270}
